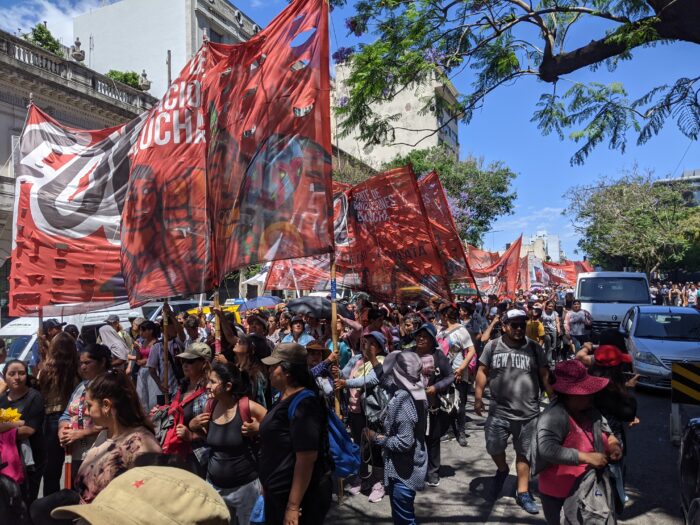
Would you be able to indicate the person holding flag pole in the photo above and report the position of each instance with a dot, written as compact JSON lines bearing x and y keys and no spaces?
{"x":166,"y":349}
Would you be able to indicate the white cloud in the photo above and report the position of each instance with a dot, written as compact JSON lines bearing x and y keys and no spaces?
{"x":547,"y":218}
{"x":58,"y":15}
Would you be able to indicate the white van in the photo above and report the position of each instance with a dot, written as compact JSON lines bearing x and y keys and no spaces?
{"x":608,"y":295}
{"x":20,"y":335}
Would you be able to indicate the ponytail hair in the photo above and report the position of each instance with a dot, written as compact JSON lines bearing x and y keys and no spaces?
{"x":118,"y":388}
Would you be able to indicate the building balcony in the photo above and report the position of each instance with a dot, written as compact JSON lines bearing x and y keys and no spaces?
{"x":28,"y":60}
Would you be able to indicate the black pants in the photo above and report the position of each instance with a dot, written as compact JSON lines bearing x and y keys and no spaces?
{"x":551,"y":508}
{"x":459,"y":419}
{"x":314,"y":505}
{"x":55,"y":454}
{"x":32,"y":482}
{"x":40,"y":511}
{"x":439,"y":423}
{"x":370,"y":454}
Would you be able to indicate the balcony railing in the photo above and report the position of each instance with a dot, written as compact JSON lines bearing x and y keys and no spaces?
{"x":34,"y":56}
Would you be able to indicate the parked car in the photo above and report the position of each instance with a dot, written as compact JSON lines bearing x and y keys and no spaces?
{"x":656,"y":336}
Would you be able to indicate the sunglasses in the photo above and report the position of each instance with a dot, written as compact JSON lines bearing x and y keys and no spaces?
{"x":516,"y":326}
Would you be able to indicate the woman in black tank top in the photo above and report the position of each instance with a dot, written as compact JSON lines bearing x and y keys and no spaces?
{"x":233,"y":462}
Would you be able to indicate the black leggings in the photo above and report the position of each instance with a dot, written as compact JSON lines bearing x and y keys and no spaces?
{"x":551,"y":508}
{"x":55,"y":455}
{"x":314,"y":505}
{"x":40,"y":511}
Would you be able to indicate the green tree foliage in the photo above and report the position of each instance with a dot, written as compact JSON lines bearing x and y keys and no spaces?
{"x":635,"y":222}
{"x":477,"y":194}
{"x":130,"y":78}
{"x":42,"y":37}
{"x":501,"y":41}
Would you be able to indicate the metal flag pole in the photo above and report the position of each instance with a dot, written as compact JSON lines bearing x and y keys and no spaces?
{"x":166,"y":349}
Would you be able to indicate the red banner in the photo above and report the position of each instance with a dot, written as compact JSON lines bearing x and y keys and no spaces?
{"x":305,"y":273}
{"x":478,"y":259}
{"x":233,"y":167}
{"x":384,"y":240}
{"x":444,"y":228}
{"x":502,"y":277}
{"x":565,"y":273}
{"x":69,"y":193}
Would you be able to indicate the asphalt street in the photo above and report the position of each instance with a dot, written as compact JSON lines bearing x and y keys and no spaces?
{"x":652,"y":480}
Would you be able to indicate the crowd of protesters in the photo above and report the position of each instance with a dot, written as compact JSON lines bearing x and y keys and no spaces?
{"x":232,"y":413}
{"x":675,"y":294}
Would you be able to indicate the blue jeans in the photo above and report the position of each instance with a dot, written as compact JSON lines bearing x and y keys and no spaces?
{"x":402,"y":499}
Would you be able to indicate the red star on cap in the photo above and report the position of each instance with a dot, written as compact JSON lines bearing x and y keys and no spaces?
{"x":138,"y":483}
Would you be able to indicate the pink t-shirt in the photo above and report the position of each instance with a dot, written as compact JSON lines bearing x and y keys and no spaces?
{"x":558,"y":480}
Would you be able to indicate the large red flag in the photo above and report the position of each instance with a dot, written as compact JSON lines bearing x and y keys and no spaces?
{"x":305,"y":273}
{"x":444,"y":228}
{"x":70,"y":189}
{"x":234,"y":164}
{"x":565,"y":273}
{"x":384,"y":240}
{"x":480,"y":258}
{"x":502,"y":277}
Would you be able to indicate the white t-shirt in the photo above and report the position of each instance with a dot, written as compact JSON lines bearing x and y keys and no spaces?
{"x":459,"y":340}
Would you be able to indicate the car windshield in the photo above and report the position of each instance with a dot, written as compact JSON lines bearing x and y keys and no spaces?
{"x":678,"y":327}
{"x":15,"y":344}
{"x":632,"y":290}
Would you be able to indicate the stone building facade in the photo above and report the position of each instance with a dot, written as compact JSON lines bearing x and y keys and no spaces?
{"x":65,"y":89}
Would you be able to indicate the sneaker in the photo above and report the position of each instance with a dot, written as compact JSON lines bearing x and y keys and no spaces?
{"x":377,"y":493}
{"x":449,"y":436}
{"x":498,"y":480}
{"x":462,"y":440}
{"x":354,"y":489}
{"x":526,"y":501}
{"x":433,"y":481}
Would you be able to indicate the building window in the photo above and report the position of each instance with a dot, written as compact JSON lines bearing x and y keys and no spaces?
{"x":14,"y":154}
{"x":215,"y":37}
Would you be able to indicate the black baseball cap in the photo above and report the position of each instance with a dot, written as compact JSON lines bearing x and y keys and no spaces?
{"x":52,"y":323}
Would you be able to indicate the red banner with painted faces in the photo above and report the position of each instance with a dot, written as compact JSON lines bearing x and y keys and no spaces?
{"x":70,"y":188}
{"x":501,"y":278}
{"x":233,"y":166}
{"x":384,"y":241}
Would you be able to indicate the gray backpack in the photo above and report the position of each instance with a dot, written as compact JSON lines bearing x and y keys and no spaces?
{"x":592,"y":500}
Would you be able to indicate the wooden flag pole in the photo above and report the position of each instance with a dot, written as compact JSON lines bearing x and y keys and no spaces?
{"x":334,"y":330}
{"x":217,"y":325}
{"x":336,"y":350}
{"x":166,"y":349}
{"x":40,"y":338}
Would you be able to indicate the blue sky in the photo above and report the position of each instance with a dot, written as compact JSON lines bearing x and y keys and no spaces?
{"x":501,"y":130}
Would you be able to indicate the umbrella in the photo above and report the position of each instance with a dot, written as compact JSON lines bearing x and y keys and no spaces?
{"x":318,"y":307}
{"x":264,"y":301}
